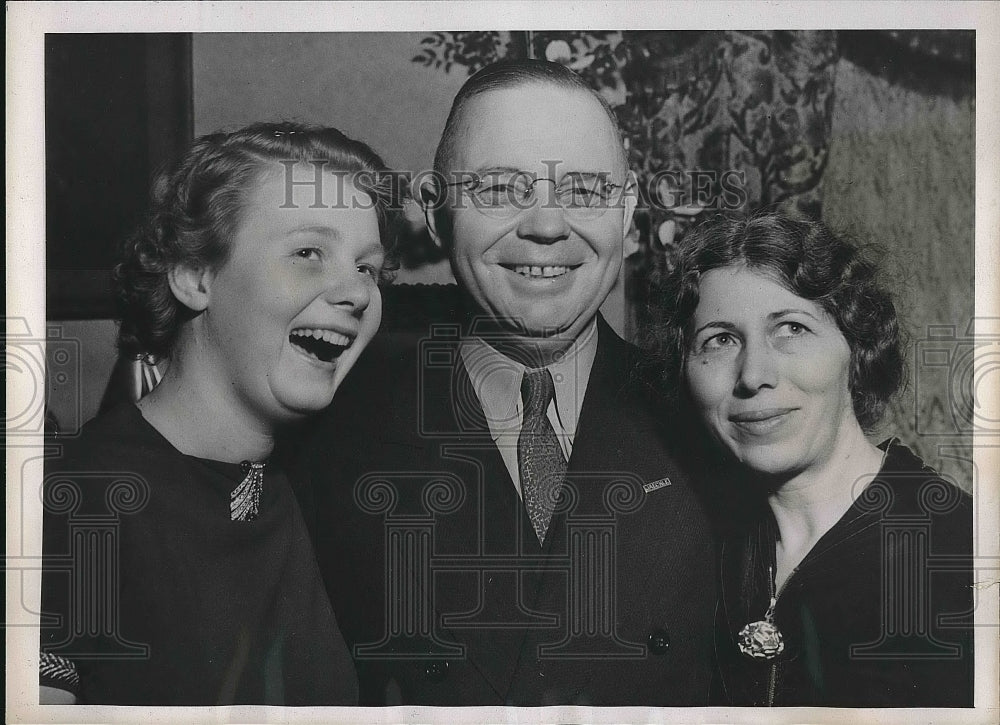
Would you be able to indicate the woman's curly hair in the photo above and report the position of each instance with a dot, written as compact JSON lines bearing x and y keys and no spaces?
{"x":811,"y":261}
{"x":195,"y":208}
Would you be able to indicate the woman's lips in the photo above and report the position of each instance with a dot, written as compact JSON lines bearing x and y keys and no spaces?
{"x":758,"y":422}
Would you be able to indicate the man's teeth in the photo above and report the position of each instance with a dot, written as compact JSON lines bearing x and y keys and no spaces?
{"x":535,"y":271}
{"x":334,"y":338}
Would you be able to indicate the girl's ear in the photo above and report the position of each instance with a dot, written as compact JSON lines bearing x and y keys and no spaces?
{"x":191,"y":285}
{"x":431,"y":202}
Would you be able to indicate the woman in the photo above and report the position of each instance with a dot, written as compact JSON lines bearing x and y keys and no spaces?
{"x":848,"y":580}
{"x":178,"y":567}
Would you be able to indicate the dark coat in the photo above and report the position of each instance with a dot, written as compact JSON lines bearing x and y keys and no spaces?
{"x":878,"y":613}
{"x":438,"y":582}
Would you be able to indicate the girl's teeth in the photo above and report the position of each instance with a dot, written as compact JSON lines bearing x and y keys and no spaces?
{"x":334,"y":338}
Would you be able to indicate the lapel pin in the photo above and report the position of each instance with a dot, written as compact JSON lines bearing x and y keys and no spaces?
{"x":655,"y":485}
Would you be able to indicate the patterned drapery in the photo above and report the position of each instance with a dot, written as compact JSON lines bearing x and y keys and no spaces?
{"x":694,"y":106}
{"x":714,"y":120}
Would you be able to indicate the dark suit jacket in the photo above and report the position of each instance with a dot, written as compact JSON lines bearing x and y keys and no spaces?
{"x":439,"y":585}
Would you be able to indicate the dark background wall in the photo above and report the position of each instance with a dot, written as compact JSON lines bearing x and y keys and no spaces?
{"x":902,"y":174}
{"x":117,"y":107}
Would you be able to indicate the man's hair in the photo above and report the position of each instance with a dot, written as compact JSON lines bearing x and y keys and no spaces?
{"x":195,"y":209}
{"x":811,"y":261}
{"x":510,"y":74}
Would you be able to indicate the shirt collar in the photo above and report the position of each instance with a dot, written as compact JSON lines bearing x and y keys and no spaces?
{"x":497,"y":381}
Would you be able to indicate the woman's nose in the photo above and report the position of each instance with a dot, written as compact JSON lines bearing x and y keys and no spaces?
{"x":758,"y":368}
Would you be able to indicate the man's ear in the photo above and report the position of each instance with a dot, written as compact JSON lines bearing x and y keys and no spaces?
{"x":191,"y":285}
{"x":432,"y":202}
{"x":631,"y":192}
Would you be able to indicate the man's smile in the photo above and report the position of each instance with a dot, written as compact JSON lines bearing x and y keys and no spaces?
{"x":537,"y":271}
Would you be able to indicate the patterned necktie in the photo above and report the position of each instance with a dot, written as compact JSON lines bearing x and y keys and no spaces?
{"x":540,"y":460}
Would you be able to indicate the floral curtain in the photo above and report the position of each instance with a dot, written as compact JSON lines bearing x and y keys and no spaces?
{"x":694,"y":106}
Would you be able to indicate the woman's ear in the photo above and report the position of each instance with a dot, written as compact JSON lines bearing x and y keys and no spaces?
{"x":191,"y":285}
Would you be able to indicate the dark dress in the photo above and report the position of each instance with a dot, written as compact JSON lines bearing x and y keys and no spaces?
{"x":156,"y":597}
{"x":877,"y":614}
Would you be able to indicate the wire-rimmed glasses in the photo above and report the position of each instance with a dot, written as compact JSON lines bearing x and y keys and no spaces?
{"x":505,"y":194}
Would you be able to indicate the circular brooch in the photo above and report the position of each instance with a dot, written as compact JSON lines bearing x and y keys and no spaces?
{"x":761,"y":640}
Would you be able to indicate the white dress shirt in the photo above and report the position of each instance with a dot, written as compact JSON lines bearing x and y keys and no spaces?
{"x":497,"y":382}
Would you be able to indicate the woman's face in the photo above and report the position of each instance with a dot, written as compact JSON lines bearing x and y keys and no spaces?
{"x":297,"y":301}
{"x":768,"y":371}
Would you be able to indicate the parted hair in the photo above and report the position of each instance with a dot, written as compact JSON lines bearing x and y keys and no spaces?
{"x":195,"y":209}
{"x":811,"y":261}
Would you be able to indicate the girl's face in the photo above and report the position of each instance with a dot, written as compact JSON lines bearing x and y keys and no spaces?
{"x":768,"y":371}
{"x":297,"y":300}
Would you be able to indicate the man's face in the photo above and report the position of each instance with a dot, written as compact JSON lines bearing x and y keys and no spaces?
{"x":543,"y":271}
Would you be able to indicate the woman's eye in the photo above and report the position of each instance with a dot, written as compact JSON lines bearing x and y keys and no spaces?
{"x":791,"y":329}
{"x":369,"y":269}
{"x":311,"y":253}
{"x":719,"y":342}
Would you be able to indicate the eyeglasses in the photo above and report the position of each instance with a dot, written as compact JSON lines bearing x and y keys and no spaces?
{"x":506,"y":194}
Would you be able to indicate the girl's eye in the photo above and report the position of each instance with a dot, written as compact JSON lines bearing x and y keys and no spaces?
{"x":311,"y":253}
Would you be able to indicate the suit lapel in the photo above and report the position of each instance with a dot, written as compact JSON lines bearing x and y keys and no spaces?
{"x":491,"y":524}
{"x":532,"y":602}
{"x":602,"y":404}
{"x":598,"y":458}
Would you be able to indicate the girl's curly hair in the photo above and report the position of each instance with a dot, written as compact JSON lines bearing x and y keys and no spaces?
{"x":195,"y":208}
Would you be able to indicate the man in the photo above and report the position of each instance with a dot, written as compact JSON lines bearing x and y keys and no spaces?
{"x":499,"y":518}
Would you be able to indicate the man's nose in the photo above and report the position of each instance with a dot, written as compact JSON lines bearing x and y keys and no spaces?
{"x":544,"y":221}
